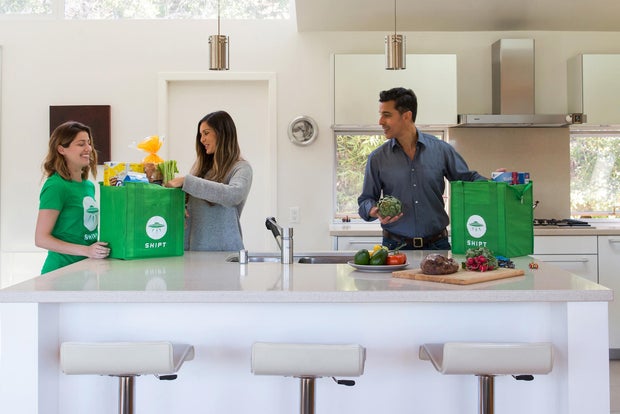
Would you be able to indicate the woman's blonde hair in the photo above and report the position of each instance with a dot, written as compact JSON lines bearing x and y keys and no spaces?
{"x":64,"y":135}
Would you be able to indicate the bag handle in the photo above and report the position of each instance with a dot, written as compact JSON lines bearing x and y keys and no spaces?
{"x":520,"y":193}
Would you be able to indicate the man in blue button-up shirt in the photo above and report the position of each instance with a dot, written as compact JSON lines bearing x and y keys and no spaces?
{"x":410,"y":166}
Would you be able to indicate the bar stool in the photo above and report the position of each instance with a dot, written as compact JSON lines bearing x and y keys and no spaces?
{"x":486,"y":360}
{"x":125,"y":360}
{"x":308,"y":362}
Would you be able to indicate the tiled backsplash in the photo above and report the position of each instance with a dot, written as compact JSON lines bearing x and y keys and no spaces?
{"x":543,"y":152}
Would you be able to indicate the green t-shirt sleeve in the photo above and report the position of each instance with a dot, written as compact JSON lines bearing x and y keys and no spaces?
{"x":52,"y":196}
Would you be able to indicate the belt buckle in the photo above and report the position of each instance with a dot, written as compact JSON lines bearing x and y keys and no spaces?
{"x":418,"y":242}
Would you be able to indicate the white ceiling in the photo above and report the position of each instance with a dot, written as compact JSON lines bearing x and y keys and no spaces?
{"x":458,"y":15}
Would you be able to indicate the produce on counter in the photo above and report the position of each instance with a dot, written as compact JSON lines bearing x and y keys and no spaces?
{"x":379,"y":257}
{"x":362,"y":257}
{"x":437,"y":264}
{"x":378,"y":247}
{"x":396,"y":257}
{"x":389,"y":206}
{"x":505,"y":262}
{"x":480,"y":260}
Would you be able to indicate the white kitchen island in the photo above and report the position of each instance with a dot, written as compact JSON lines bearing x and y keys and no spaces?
{"x":222,"y":308}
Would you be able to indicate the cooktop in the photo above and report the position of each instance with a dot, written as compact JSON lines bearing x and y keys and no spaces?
{"x":560,"y":223}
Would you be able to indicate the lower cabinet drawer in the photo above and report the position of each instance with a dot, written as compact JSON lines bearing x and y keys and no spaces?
{"x":565,"y":244}
{"x":584,"y":265}
{"x":357,"y":243}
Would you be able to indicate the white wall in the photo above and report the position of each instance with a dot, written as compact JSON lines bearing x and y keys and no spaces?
{"x":117,"y":63}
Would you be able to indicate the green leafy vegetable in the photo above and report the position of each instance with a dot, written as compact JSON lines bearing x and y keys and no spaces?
{"x":168,"y":169}
{"x":389,"y":206}
{"x":481,"y":260}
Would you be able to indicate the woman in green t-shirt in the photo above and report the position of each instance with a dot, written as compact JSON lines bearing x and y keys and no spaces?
{"x":67,"y":225}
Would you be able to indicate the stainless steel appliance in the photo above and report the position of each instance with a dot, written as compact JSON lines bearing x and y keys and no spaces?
{"x":560,"y":223}
{"x":513,"y":91}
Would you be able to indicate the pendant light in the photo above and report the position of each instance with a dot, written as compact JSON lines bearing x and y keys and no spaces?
{"x":395,"y":49}
{"x":218,"y":47}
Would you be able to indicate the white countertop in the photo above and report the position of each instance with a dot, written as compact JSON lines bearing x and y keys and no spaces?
{"x":205,"y":277}
{"x":374,"y":230}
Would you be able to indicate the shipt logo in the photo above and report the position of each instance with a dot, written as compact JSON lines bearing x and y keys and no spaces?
{"x":91,"y":213}
{"x":476,"y":226}
{"x":156,"y":227}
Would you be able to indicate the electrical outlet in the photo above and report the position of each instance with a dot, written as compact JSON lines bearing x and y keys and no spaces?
{"x":293,"y":215}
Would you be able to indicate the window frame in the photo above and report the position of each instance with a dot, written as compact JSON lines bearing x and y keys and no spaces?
{"x":585,"y":131}
{"x":343,"y":129}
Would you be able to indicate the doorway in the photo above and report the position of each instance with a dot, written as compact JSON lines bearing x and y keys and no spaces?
{"x":250,"y":100}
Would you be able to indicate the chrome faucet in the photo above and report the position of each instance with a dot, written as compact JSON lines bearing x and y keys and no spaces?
{"x":284,"y":238}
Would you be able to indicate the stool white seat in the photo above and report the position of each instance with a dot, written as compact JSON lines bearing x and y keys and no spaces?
{"x":125,"y":360}
{"x":308,"y":362}
{"x":487,"y":360}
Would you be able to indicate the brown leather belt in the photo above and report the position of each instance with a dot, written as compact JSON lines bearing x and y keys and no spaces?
{"x":416,"y":242}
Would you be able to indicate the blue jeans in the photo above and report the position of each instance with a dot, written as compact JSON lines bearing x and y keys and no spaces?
{"x":441,"y":244}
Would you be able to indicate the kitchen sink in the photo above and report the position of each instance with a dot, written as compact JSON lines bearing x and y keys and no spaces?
{"x":322,"y":258}
{"x":261,"y":259}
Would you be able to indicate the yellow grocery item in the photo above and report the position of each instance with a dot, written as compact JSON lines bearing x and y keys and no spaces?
{"x":151,"y":145}
{"x":378,"y":247}
{"x":115,"y":172}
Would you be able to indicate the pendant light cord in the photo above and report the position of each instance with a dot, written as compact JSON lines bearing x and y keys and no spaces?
{"x":394,"y":17}
{"x":218,"y":18}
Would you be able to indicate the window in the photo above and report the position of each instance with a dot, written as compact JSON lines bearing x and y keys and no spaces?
{"x":595,"y":172}
{"x":149,"y":9}
{"x":26,"y":7}
{"x":353,"y":145}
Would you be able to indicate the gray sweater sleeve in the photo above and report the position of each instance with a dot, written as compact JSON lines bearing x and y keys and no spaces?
{"x":229,"y":194}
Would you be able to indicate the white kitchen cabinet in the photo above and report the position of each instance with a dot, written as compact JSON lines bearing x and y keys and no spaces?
{"x":358,"y":79}
{"x":609,"y":276}
{"x":577,"y":254}
{"x":584,"y":265}
{"x":594,"y":87}
{"x":356,"y":242}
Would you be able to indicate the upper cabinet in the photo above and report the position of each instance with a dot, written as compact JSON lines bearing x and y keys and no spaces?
{"x":358,"y":79}
{"x":594,"y":87}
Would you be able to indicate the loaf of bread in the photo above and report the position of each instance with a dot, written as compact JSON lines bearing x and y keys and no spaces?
{"x":437,"y":264}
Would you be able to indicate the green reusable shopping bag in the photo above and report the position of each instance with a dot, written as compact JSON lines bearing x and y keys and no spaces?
{"x":141,"y":220}
{"x":492,"y":214}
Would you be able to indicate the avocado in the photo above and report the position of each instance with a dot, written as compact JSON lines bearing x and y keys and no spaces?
{"x":362,"y":257}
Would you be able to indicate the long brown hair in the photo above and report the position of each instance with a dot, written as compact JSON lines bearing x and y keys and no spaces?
{"x":227,"y":151}
{"x":64,"y":135}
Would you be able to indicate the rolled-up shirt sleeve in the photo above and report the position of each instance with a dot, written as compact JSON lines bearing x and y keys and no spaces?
{"x":371,"y":191}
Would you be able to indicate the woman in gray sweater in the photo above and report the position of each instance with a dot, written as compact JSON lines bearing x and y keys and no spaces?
{"x":217,"y":187}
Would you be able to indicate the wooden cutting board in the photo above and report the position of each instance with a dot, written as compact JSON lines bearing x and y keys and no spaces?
{"x":462,"y":277}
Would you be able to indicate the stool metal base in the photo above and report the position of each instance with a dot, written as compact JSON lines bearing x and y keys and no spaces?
{"x":126,"y":394}
{"x":486,"y":394}
{"x":307,"y":395}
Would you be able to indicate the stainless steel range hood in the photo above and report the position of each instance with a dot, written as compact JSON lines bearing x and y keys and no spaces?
{"x":513,"y":91}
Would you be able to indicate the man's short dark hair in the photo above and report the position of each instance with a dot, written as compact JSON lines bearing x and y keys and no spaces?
{"x":404,"y":100}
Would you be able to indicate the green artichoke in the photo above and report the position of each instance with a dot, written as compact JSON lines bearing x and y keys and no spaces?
{"x":389,"y":206}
